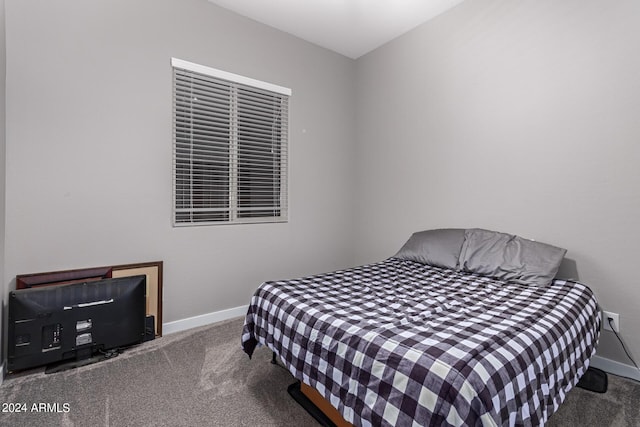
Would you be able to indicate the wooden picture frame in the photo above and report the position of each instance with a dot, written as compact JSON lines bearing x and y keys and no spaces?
{"x":24,"y":281}
{"x":153,"y":271}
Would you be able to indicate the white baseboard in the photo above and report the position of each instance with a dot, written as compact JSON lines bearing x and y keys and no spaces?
{"x":203,"y":319}
{"x":615,"y":368}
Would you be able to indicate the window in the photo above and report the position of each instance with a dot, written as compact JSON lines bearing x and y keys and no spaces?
{"x":230,"y":147}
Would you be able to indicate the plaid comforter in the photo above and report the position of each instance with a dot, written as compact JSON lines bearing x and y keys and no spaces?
{"x":399,"y":343}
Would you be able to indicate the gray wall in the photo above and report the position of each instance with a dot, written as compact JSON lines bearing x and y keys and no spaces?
{"x":514,"y":116}
{"x":3,"y":285}
{"x":89,"y":147}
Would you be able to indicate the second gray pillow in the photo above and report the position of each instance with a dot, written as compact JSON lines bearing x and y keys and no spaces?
{"x":510,"y":258}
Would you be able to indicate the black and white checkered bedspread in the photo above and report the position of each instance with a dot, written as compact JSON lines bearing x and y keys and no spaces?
{"x":398,"y":343}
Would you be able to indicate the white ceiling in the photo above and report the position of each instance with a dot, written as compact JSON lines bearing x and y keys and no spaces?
{"x":349,"y":27}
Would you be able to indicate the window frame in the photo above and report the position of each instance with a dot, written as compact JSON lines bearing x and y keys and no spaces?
{"x":237,"y":84}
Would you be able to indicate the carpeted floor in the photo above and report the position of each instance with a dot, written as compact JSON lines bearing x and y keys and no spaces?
{"x":618,"y":407}
{"x":201,"y":377}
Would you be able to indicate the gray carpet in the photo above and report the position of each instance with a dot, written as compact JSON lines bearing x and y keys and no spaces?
{"x":202,"y":378}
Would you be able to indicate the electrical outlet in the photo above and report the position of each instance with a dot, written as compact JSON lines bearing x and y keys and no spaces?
{"x":606,"y":315}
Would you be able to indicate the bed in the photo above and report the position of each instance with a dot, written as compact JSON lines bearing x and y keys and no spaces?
{"x":459,"y":328}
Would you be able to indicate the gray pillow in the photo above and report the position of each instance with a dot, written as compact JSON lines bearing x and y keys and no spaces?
{"x":509,"y":258}
{"x":440,"y":248}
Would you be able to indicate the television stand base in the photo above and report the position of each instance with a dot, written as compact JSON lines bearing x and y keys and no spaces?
{"x":71,"y":364}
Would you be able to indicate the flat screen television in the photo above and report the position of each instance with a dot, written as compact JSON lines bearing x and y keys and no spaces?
{"x":76,"y":321}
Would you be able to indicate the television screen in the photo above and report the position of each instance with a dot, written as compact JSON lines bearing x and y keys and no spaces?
{"x":55,"y":323}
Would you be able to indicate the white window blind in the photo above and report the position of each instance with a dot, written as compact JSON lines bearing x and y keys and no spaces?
{"x":230,"y":150}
